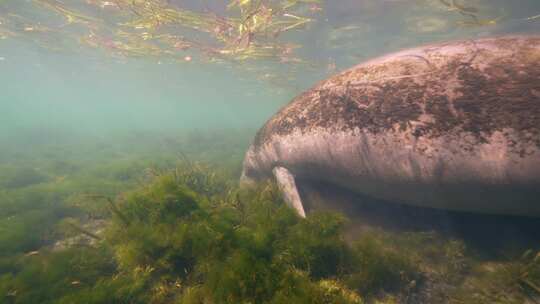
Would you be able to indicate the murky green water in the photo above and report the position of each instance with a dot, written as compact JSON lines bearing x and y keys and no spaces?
{"x":99,"y":98}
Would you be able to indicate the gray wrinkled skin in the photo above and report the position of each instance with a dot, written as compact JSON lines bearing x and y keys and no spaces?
{"x":453,"y":126}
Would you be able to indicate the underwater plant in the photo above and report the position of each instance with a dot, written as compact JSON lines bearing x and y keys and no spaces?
{"x":224,"y":253}
{"x":21,"y":177}
{"x":379,"y":267}
{"x":178,"y":229}
{"x":510,"y":281}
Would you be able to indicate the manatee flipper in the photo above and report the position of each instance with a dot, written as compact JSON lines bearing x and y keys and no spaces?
{"x":287,"y":185}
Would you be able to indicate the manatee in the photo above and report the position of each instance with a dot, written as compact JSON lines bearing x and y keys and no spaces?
{"x":453,"y":126}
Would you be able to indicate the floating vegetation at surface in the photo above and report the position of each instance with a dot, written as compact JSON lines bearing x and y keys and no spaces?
{"x":155,"y":28}
{"x":271,"y":40}
{"x":245,"y":30}
{"x":533,"y":17}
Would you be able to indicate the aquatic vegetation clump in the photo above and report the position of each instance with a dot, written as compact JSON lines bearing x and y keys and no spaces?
{"x":380,"y":267}
{"x":507,"y":281}
{"x":179,"y":230}
{"x":252,"y":249}
{"x":21,"y":177}
{"x":45,"y":277}
{"x":167,"y":243}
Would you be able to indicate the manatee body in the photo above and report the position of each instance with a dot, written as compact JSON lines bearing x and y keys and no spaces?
{"x":453,"y":126}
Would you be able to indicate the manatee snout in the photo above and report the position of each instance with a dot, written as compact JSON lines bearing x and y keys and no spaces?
{"x":251,"y":173}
